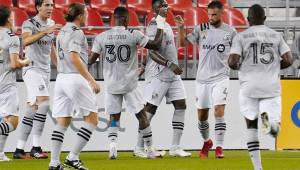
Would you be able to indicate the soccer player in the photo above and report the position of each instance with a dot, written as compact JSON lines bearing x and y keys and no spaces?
{"x":163,"y":80}
{"x":9,"y":62}
{"x":118,"y":46}
{"x":214,"y":40}
{"x":259,"y":53}
{"x":74,"y":89}
{"x":37,"y":37}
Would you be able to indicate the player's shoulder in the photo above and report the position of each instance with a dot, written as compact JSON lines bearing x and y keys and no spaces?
{"x":50,"y":22}
{"x":32,"y":21}
{"x":152,"y":22}
{"x":228,"y":28}
{"x":203,"y":26}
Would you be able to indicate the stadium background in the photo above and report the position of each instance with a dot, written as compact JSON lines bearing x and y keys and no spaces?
{"x":282,"y":15}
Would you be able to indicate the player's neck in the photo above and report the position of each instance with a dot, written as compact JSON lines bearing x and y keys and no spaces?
{"x":218,"y":24}
{"x":77,"y":23}
{"x":42,"y":18}
{"x":5,"y":27}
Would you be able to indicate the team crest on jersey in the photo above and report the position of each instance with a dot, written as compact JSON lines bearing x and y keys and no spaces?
{"x":41,"y":87}
{"x":227,"y":37}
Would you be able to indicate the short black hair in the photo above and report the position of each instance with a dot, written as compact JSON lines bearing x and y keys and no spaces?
{"x":38,"y":3}
{"x":4,"y":14}
{"x":121,"y":11}
{"x":257,"y":12}
{"x":74,"y":10}
{"x":155,"y":1}
{"x":215,"y":4}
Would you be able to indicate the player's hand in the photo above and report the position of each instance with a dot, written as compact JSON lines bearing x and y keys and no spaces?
{"x":25,"y":61}
{"x":53,"y":28}
{"x":95,"y":86}
{"x":176,"y":69}
{"x":141,"y":71}
{"x":179,"y":21}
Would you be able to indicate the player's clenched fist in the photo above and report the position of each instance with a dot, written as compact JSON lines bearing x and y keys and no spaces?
{"x":95,"y":86}
{"x":179,"y":21}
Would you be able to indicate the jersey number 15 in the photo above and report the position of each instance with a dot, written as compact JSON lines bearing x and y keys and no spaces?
{"x":265,"y":50}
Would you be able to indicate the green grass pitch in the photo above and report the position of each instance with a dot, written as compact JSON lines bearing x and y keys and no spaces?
{"x":235,"y":160}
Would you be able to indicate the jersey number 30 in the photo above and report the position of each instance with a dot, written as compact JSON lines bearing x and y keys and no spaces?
{"x":113,"y":55}
{"x":265,"y":50}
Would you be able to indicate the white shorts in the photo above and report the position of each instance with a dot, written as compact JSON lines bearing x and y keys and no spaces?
{"x":156,"y":90}
{"x":211,"y":94}
{"x":134,"y":102}
{"x":73,"y":97}
{"x":251,"y":108}
{"x":9,"y":103}
{"x":37,"y":84}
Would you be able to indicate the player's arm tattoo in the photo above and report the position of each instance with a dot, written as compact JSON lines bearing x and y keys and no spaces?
{"x":286,"y":61}
{"x":93,"y":58}
{"x":234,"y":61}
{"x":156,"y":43}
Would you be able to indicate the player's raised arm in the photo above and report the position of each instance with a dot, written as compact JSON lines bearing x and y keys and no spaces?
{"x":27,"y":36}
{"x":182,"y":33}
{"x":158,"y":58}
{"x":160,"y":21}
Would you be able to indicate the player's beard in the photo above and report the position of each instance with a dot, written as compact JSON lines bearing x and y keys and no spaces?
{"x":215,"y":23}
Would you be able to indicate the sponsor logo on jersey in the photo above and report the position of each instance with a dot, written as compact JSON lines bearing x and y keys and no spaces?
{"x":221,"y":48}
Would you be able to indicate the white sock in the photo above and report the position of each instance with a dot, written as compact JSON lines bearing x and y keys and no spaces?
{"x":253,"y":148}
{"x":220,"y":129}
{"x":178,"y":126}
{"x":203,"y":127}
{"x":147,"y":136}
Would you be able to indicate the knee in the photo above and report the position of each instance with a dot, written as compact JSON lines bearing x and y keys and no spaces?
{"x":219,"y":110}
{"x":150,"y":108}
{"x":179,"y":104}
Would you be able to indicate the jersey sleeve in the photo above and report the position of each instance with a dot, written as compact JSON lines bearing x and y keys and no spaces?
{"x":27,"y":27}
{"x":283,"y":47}
{"x":140,"y":38}
{"x":233,"y":34}
{"x":194,"y":36}
{"x":151,"y":30}
{"x":14,"y":46}
{"x":76,"y":42}
{"x":237,"y":47}
{"x":97,"y":45}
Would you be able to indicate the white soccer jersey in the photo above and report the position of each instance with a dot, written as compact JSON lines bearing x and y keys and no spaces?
{"x":9,"y":44}
{"x":70,"y":39}
{"x":39,"y":51}
{"x":118,"y":46}
{"x":214,"y":47}
{"x":168,"y":50}
{"x":261,"y":49}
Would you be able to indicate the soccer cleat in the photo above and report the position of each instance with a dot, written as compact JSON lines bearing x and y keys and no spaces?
{"x":152,"y":153}
{"x":266,"y":125}
{"x":205,"y":149}
{"x":20,"y":154}
{"x":76,"y":164}
{"x":139,"y":152}
{"x":58,"y":167}
{"x":178,"y":151}
{"x":113,"y":153}
{"x":37,"y":153}
{"x":3,"y":157}
{"x":219,"y":152}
